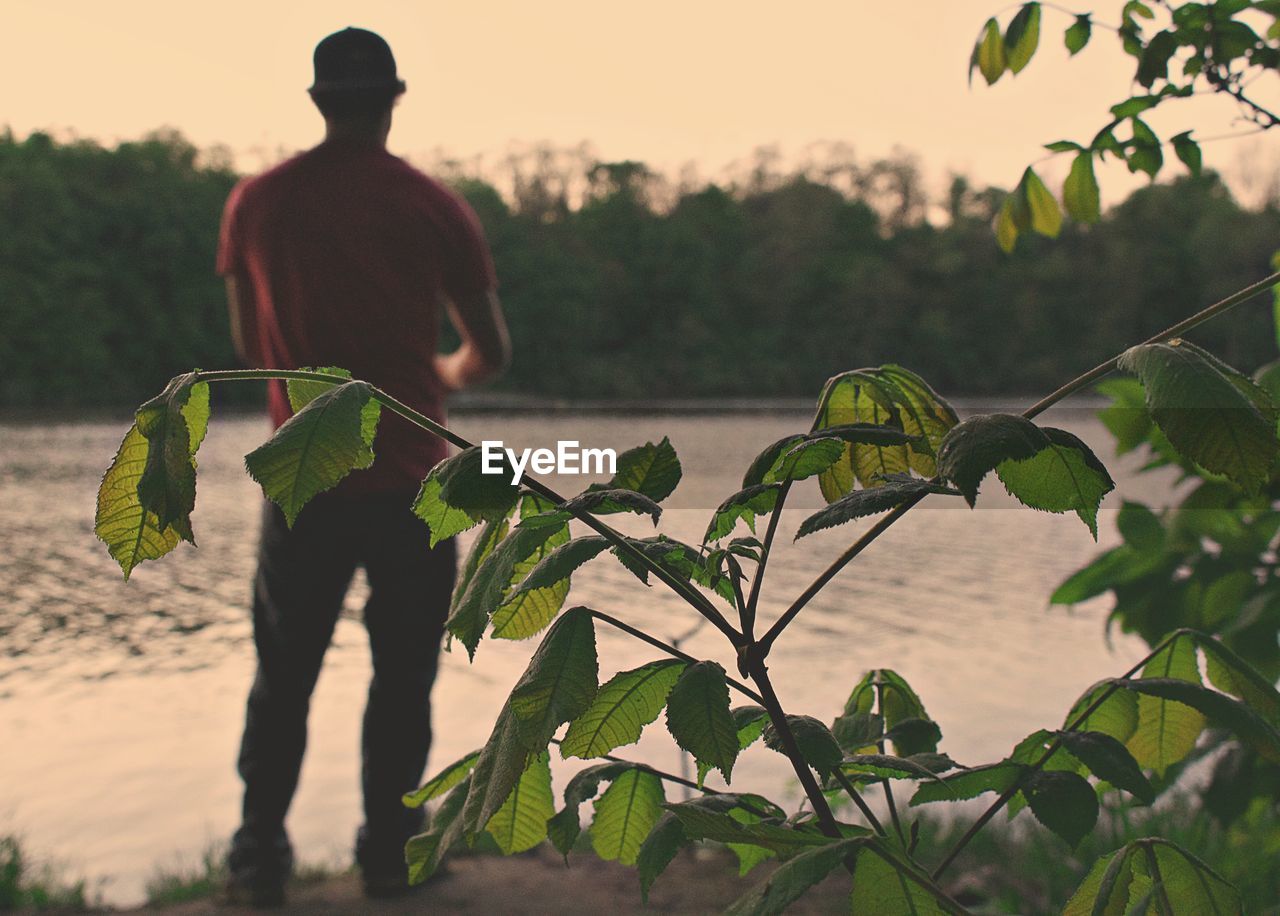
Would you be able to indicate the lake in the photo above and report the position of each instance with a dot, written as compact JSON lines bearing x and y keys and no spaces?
{"x":121,"y":704}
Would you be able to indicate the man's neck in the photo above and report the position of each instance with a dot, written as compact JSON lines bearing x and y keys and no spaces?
{"x":355,"y":136}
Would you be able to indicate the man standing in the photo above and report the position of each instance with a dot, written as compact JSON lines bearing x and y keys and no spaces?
{"x":346,"y":256}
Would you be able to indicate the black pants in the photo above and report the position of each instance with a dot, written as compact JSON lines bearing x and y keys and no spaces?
{"x":303,"y":576}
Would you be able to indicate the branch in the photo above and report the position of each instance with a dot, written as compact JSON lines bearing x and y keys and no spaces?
{"x":691,"y":595}
{"x":1073,"y":386}
{"x":670,"y":650}
{"x":1052,"y":749}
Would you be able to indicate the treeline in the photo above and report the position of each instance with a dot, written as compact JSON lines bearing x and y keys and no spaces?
{"x":619,"y":284}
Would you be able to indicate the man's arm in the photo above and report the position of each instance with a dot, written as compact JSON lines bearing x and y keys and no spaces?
{"x":244,"y":320}
{"x":486,"y":346}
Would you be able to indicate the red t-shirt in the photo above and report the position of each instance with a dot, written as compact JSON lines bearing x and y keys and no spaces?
{"x":348,"y":251}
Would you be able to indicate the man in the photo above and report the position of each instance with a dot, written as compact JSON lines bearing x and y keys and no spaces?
{"x":345,"y":256}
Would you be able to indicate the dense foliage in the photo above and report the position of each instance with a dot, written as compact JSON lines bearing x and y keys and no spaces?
{"x":1179,"y":50}
{"x":629,"y":287}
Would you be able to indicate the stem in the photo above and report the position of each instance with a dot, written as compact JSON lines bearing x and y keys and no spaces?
{"x":686,"y":591}
{"x":670,"y":650}
{"x":1153,"y":868}
{"x":769,"y":700}
{"x":1052,"y":749}
{"x":852,"y":791}
{"x":1076,"y":384}
{"x":888,"y":783}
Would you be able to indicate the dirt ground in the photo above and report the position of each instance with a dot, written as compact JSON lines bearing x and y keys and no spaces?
{"x":539,"y":883}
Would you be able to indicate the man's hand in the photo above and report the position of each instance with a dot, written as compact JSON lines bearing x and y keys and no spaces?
{"x":486,"y":347}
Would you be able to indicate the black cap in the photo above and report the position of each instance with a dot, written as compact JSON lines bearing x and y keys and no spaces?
{"x":353,"y":60}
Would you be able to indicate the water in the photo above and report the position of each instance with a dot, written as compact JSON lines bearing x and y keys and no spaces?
{"x":121,"y":704}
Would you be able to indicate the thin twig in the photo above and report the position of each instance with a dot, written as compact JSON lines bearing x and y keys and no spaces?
{"x":670,"y":650}
{"x":852,"y":791}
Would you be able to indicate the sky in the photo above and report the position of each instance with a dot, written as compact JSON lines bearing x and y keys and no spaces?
{"x":669,"y":83}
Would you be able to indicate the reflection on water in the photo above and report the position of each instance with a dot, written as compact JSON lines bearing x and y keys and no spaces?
{"x":121,"y":703}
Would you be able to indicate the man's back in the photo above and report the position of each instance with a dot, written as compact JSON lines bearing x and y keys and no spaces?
{"x":348,"y":252}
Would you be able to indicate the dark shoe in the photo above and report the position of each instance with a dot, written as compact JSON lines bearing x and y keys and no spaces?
{"x":258,"y":869}
{"x":382,"y":865}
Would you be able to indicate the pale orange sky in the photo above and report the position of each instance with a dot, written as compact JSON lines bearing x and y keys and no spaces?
{"x":664,"y":82}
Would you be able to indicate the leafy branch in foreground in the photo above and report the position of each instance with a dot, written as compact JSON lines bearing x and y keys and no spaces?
{"x":1179,"y":50}
{"x":881,"y":441}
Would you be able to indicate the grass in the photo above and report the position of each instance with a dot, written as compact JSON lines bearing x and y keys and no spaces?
{"x":30,"y":886}
{"x":186,"y":879}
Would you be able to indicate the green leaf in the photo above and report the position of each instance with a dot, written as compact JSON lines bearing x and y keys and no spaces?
{"x":792,"y":878}
{"x":860,"y":503}
{"x":1046,"y":218}
{"x":625,"y":814}
{"x":1117,"y":566}
{"x":560,"y":682}
{"x":556,"y":687}
{"x":442,"y":782}
{"x":914,"y":736}
{"x":980,"y":444}
{"x":900,"y":708}
{"x":1124,"y":882}
{"x":1117,"y":715}
{"x":887,"y":766}
{"x":1135,"y":106}
{"x":818,"y":746}
{"x":457,"y":495}
{"x":1022,"y":37}
{"x":1232,"y":674}
{"x":1210,"y":418}
{"x":1080,"y":191}
{"x":534,"y":603}
{"x":1007,"y":228}
{"x":990,"y":55}
{"x":707,"y":818}
{"x":746,"y":504}
{"x":494,"y":577}
{"x":805,"y":459}
{"x":1064,"y":146}
{"x":1223,"y":710}
{"x":492,"y":534}
{"x":750,"y":722}
{"x":996,"y":777}
{"x":424,"y":851}
{"x":1064,"y":477}
{"x":132,"y":534}
{"x":651,"y":470}
{"x":698,"y":716}
{"x":1126,"y":418}
{"x":1064,"y":802}
{"x":1154,"y":63}
{"x":1077,"y":34}
{"x":167,"y":486}
{"x":855,"y":400}
{"x":609,"y":502}
{"x":302,"y":392}
{"x":1141,"y":528}
{"x":1187,"y":151}
{"x":857,"y":731}
{"x":521,"y":823}
{"x":1167,"y":730}
{"x":621,"y":709}
{"x":923,"y":412}
{"x":563,"y":829}
{"x":1108,"y":759}
{"x":1145,"y":154}
{"x":885,"y":890}
{"x":659,"y":850}
{"x":317,"y":447}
